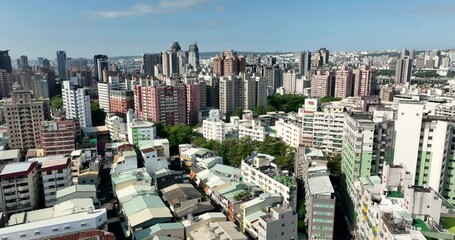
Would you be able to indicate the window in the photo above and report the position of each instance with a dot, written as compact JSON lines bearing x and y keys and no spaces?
{"x":67,"y":227}
{"x":54,"y":229}
{"x":23,"y":235}
{"x":37,"y":233}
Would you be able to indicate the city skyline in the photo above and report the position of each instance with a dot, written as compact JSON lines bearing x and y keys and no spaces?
{"x":86,"y":28}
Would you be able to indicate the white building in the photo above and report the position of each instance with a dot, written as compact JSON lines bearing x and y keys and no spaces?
{"x":322,"y":128}
{"x":213,"y":128}
{"x":69,"y":217}
{"x":253,"y":129}
{"x":280,"y":223}
{"x":290,"y":131}
{"x":126,"y":160}
{"x":56,"y":175}
{"x":139,"y":130}
{"x":260,"y":170}
{"x":76,"y":103}
{"x":104,"y":92}
{"x":19,"y":181}
{"x":155,"y":154}
{"x":117,"y":127}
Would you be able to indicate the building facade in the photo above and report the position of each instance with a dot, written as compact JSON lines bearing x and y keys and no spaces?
{"x":76,"y":103}
{"x":59,"y":136}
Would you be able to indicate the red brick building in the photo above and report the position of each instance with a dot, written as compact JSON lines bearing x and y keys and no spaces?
{"x":120,"y":101}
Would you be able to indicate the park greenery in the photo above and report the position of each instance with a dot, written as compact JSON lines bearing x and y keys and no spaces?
{"x":286,"y":102}
{"x":426,"y":74}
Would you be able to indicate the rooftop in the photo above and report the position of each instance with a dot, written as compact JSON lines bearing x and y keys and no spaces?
{"x":9,"y":154}
{"x":18,"y":169}
{"x":95,"y":129}
{"x":144,"y":233}
{"x":178,"y":193}
{"x":50,"y":165}
{"x":320,"y":185}
{"x":75,"y":188}
{"x":141,"y":124}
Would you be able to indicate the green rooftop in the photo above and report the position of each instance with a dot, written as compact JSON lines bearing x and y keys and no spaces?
{"x":421,"y":224}
{"x":395,"y":194}
{"x":287,"y":181}
{"x":449,"y":224}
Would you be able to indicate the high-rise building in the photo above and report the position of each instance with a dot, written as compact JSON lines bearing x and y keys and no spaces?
{"x":76,"y":103}
{"x":322,"y":83}
{"x":195,"y":101}
{"x":212,"y":84}
{"x":213,"y":128}
{"x":176,"y":47}
{"x":59,"y":136}
{"x":363,"y":81}
{"x":149,"y":60}
{"x":170,"y":63}
{"x":40,"y":61}
{"x":274,"y":77}
{"x":343,"y":82}
{"x":40,"y":86}
{"x":166,"y":104}
{"x":321,"y":58}
{"x":23,"y":62}
{"x":424,"y":144}
{"x":104,"y":92}
{"x":367,"y":147}
{"x":5,"y":61}
{"x":100,"y":64}
{"x":24,"y":121}
{"x":6,"y":85}
{"x":78,"y":63}
{"x":231,"y":95}
{"x":403,"y":70}
{"x":229,"y":63}
{"x":120,"y":101}
{"x":61,"y":65}
{"x":304,"y":63}
{"x":193,"y":56}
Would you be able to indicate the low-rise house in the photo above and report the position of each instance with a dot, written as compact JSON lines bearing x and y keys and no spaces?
{"x":77,"y":191}
{"x":184,"y":199}
{"x":155,"y":154}
{"x":173,"y":230}
{"x":164,"y":178}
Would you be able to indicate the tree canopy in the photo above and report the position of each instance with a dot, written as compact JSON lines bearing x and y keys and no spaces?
{"x":57,"y":102}
{"x":98,"y":115}
{"x":177,"y":134}
{"x":286,"y":102}
{"x":234,"y":151}
{"x":329,"y":99}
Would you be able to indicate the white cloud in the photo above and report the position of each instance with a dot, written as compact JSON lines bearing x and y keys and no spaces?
{"x":164,"y":6}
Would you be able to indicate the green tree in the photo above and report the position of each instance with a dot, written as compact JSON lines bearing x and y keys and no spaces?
{"x":260,"y":110}
{"x":286,"y":102}
{"x":237,"y":113}
{"x":98,"y":115}
{"x":302,"y":211}
{"x":334,"y":165}
{"x":329,"y":99}
{"x":57,"y":102}
{"x":179,"y":134}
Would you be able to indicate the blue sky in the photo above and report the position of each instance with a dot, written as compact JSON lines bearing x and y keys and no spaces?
{"x":129,"y":27}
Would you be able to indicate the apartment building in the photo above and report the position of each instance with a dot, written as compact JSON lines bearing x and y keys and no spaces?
{"x":279,"y":223}
{"x":166,"y":104}
{"x":59,"y":136}
{"x":104,"y":92}
{"x":253,"y":129}
{"x":322,"y":125}
{"x":76,"y":103}
{"x":139,"y":130}
{"x":120,"y":101}
{"x":55,"y":175}
{"x":24,"y":116}
{"x":290,"y":131}
{"x":320,"y":204}
{"x":260,"y":170}
{"x":117,"y":127}
{"x":19,"y":187}
{"x":213,"y":128}
{"x":155,"y":154}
